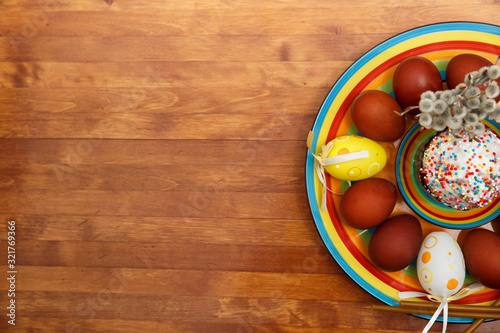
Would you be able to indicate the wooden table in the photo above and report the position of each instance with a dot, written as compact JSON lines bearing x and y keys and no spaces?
{"x":152,"y":158}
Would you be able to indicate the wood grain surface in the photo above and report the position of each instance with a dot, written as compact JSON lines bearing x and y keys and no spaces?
{"x":152,"y":156}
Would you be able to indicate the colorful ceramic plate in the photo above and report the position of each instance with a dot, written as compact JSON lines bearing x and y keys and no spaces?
{"x":374,"y":70}
{"x":419,"y":199}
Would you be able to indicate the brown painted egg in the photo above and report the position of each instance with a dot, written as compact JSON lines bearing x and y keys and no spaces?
{"x":375,"y":115}
{"x":482,"y":252}
{"x":414,"y":76}
{"x":368,"y":203}
{"x":461,"y":65}
{"x":395,"y":243}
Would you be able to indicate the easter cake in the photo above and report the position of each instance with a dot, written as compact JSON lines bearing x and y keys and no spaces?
{"x":461,"y":172}
{"x":459,"y":166}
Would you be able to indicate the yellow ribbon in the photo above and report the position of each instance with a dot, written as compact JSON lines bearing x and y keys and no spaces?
{"x":319,"y":166}
{"x":464,"y":292}
{"x":321,"y":160}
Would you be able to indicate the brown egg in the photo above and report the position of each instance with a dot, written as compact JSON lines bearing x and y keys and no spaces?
{"x":495,"y":224}
{"x":374,"y":114}
{"x":395,"y":243}
{"x":368,"y":203}
{"x":413,"y":77}
{"x":461,"y":65}
{"x":461,"y":237}
{"x":482,"y":256}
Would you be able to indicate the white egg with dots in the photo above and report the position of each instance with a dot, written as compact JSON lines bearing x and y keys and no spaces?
{"x":440,"y":265}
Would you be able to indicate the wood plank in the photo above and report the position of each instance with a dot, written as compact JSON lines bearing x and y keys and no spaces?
{"x":77,"y":325}
{"x":228,"y":231}
{"x":232,"y":155}
{"x":302,"y":21}
{"x":170,"y":74}
{"x":234,"y":99}
{"x":91,"y":107}
{"x":134,"y":100}
{"x":245,"y":324}
{"x":263,"y":179}
{"x":192,"y":22}
{"x":213,"y":199}
{"x":288,"y":285}
{"x":154,"y":5}
{"x":209,"y":257}
{"x":191,"y":48}
{"x":156,"y":125}
{"x":226,"y":310}
{"x":158,"y":113}
{"x":157,"y":203}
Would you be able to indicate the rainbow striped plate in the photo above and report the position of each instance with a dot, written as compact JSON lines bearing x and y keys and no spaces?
{"x":419,"y":199}
{"x":374,"y":70}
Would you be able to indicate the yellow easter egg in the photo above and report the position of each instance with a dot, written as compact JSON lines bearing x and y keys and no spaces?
{"x":355,"y":158}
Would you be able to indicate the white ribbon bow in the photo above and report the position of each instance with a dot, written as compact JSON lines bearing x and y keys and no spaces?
{"x":322,"y":160}
{"x":443,"y":306}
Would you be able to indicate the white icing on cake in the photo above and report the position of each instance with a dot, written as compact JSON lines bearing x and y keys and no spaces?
{"x":461,"y":172}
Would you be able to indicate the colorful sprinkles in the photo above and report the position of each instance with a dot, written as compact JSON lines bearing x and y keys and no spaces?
{"x":460,"y":171}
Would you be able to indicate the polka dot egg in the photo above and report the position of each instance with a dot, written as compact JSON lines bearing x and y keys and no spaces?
{"x":440,"y":265}
{"x":361,"y":158}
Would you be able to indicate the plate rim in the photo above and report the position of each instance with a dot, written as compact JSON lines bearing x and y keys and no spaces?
{"x":323,"y":110}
